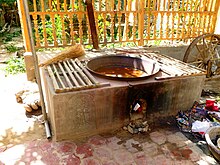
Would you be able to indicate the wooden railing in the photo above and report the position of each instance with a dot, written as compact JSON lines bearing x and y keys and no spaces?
{"x":64,"y":22}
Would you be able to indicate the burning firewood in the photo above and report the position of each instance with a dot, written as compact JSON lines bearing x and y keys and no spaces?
{"x":74,"y":51}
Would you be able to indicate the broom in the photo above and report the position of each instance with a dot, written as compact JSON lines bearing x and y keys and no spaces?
{"x":74,"y":51}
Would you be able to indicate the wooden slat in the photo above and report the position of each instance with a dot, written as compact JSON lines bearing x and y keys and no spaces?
{"x":63,"y":30}
{"x":105,"y":29}
{"x":65,"y":75}
{"x":73,"y":4}
{"x":91,"y":78}
{"x":112,"y":27}
{"x":84,"y":77}
{"x":71,"y":75}
{"x":44,"y":30}
{"x":58,"y":5}
{"x":42,"y":5}
{"x":36,"y":31}
{"x":65,"y":5}
{"x":50,"y":5}
{"x":58,"y":76}
{"x":79,"y":79}
{"x":35,"y":5}
{"x":54,"y":29}
{"x":55,"y":83}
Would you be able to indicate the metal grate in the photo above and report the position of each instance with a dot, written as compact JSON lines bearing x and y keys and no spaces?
{"x":71,"y":75}
{"x":172,"y":67}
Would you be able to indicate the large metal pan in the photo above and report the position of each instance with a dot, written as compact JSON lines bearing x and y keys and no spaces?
{"x":122,"y":67}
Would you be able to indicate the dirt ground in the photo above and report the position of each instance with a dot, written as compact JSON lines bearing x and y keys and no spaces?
{"x":16,"y":127}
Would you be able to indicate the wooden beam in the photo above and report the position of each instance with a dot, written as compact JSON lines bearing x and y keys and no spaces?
{"x":24,"y":26}
{"x":92,"y":24}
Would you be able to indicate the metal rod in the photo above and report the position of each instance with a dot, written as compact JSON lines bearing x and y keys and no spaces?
{"x":37,"y":71}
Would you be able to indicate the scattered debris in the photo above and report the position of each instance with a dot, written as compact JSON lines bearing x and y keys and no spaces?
{"x":199,"y":118}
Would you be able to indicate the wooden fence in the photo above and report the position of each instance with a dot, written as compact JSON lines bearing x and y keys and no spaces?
{"x":63,"y":22}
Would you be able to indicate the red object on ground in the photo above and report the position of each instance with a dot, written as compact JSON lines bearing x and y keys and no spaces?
{"x":210,"y":105}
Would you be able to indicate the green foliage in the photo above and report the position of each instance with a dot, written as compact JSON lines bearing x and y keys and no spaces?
{"x":11,"y":48}
{"x":15,"y":65}
{"x":9,"y":36}
{"x":49,"y":29}
{"x":8,"y":2}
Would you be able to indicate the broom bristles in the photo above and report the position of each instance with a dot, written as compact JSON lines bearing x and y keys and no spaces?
{"x":74,"y":51}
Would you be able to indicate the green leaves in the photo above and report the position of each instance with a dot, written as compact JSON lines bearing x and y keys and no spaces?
{"x":15,"y":65}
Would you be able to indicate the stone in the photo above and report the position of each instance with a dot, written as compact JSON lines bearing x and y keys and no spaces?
{"x":123,"y":157}
{"x":103,"y":153}
{"x":150,"y":148}
{"x":133,"y":146}
{"x":178,"y":140}
{"x":45,"y":145}
{"x":84,"y":151}
{"x":70,"y":160}
{"x":158,"y":137}
{"x":97,"y":140}
{"x":66,"y":147}
{"x":181,"y":162}
{"x":50,"y":158}
{"x":90,"y":161}
{"x":161,"y":159}
{"x":111,"y":162}
{"x":142,"y":158}
{"x":113,"y":143}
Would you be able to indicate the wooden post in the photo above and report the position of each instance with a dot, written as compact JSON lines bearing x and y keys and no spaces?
{"x":28,"y":58}
{"x":23,"y":21}
{"x":141,"y":23}
{"x":217,"y":18}
{"x":92,"y":24}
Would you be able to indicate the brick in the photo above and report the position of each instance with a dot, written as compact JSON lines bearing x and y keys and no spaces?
{"x":71,"y":160}
{"x":158,"y":137}
{"x":123,"y":157}
{"x":84,"y":151}
{"x":162,"y":160}
{"x":183,"y":162}
{"x":97,"y":141}
{"x":45,"y":145}
{"x":167,"y":148}
{"x":176,"y":139}
{"x":110,"y":162}
{"x":150,"y":148}
{"x":114,"y":143}
{"x":66,"y":147}
{"x":142,"y":158}
{"x":133,"y":146}
{"x":103,"y":153}
{"x":90,"y":161}
{"x":50,"y":158}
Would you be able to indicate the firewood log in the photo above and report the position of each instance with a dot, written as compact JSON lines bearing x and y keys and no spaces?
{"x":74,"y":51}
{"x":33,"y":106}
{"x":27,"y":108}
